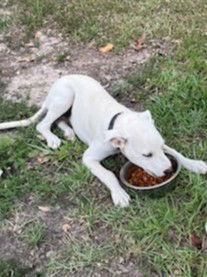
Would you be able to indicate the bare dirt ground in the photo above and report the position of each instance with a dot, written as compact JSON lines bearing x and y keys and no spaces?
{"x":30,"y":69}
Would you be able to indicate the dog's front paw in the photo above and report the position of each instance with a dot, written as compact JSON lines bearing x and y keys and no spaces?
{"x":198,"y":167}
{"x":120,"y":198}
{"x":53,"y":141}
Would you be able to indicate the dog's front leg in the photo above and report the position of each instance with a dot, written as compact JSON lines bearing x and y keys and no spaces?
{"x":91,"y":159}
{"x":190,"y":164}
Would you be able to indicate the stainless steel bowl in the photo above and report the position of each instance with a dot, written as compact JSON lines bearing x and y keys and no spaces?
{"x":158,"y":189}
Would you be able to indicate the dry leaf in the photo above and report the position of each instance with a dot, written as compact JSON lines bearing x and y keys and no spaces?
{"x":178,"y":41}
{"x":42,"y":159}
{"x":38,"y":35}
{"x":92,"y":43}
{"x":108,"y":47}
{"x":44,"y":209}
{"x":26,"y":59}
{"x":65,"y":227}
{"x":139,"y":42}
{"x":29,"y":44}
{"x":195,"y":241}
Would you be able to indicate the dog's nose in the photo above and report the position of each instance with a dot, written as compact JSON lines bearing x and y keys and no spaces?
{"x":168,"y":171}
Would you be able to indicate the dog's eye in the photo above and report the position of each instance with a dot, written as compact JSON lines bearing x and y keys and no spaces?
{"x":148,"y":155}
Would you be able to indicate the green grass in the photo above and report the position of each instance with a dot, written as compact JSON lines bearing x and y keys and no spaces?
{"x":3,"y":23}
{"x":78,"y":256}
{"x":12,"y":268}
{"x":5,"y":19}
{"x":23,"y":174}
{"x":153,"y":233}
{"x":34,"y":234}
{"x":62,"y":56}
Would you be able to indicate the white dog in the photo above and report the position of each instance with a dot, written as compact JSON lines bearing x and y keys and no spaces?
{"x":107,"y":127}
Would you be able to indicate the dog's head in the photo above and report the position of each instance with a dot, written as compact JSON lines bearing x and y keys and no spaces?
{"x":138,"y":139}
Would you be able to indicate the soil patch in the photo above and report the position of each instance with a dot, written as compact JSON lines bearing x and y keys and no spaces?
{"x":30,"y":70}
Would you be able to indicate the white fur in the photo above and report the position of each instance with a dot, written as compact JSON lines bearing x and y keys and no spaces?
{"x":134,"y":134}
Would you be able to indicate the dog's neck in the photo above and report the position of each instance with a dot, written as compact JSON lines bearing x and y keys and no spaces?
{"x":112,"y":121}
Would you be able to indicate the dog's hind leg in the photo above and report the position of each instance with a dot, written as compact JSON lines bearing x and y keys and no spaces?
{"x":58,"y":102}
{"x":67,"y":130}
{"x":44,"y":129}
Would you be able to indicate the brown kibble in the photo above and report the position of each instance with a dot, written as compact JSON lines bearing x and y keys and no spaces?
{"x":139,"y":177}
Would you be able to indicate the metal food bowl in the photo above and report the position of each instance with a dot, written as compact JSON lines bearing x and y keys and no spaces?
{"x":156,"y":190}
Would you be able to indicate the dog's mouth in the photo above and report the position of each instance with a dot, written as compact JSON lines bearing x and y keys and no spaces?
{"x":151,"y":173}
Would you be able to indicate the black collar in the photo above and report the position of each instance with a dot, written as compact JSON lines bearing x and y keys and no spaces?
{"x":112,"y":121}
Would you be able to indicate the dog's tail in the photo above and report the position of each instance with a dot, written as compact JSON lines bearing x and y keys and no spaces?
{"x":24,"y":122}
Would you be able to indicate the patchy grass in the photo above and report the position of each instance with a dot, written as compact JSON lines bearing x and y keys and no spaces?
{"x":176,"y":95}
{"x":23,"y":173}
{"x":115,"y":21}
{"x":12,"y":268}
{"x":62,"y":56}
{"x":34,"y":234}
{"x":151,"y":234}
{"x":3,"y":23}
{"x":78,"y":256}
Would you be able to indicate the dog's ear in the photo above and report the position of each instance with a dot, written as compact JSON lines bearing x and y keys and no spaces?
{"x":118,"y":142}
{"x":146,"y":115}
{"x":115,"y":139}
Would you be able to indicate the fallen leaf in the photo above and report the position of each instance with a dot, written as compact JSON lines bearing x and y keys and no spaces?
{"x":139,"y":42}
{"x":44,"y":209}
{"x":38,"y":35}
{"x":195,"y":241}
{"x":92,"y":43}
{"x":108,"y":47}
{"x":26,"y":59}
{"x":178,"y":41}
{"x":133,"y":100}
{"x":29,"y":44}
{"x":65,"y":227}
{"x":42,"y":159}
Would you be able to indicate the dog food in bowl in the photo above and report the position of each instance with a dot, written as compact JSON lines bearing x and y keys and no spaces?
{"x":139,"y":177}
{"x":136,"y":178}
